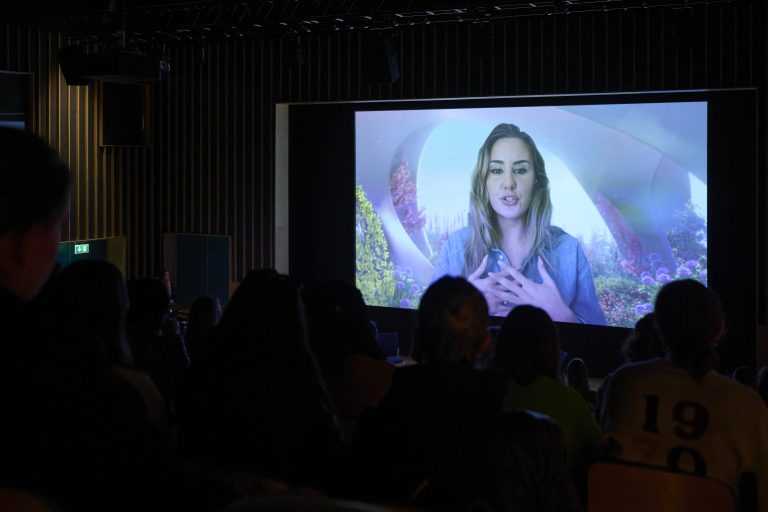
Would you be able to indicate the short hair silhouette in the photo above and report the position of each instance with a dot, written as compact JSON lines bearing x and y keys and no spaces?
{"x":265,"y":307}
{"x":453,"y":317}
{"x":89,"y":298}
{"x":644,"y":342}
{"x":339,"y":325}
{"x":528,"y":345}
{"x":690,"y":322}
{"x":518,"y":464}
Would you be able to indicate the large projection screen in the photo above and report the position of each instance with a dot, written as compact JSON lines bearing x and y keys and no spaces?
{"x":628,"y":181}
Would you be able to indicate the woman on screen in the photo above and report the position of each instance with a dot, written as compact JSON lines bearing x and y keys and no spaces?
{"x":510,"y":251}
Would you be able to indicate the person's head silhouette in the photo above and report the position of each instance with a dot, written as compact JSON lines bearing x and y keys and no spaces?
{"x":34,"y":202}
{"x":452,"y":318}
{"x":690,"y":322}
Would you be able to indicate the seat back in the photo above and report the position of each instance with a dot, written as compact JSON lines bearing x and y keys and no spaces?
{"x":388,"y":343}
{"x":577,"y":377}
{"x":23,"y":501}
{"x":745,"y":375}
{"x":614,"y":487}
{"x":761,"y":385}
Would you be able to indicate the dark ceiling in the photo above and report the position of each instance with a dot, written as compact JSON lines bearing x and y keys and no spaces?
{"x":137,"y":23}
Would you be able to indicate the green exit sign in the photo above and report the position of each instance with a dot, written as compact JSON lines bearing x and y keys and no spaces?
{"x":82,"y":248}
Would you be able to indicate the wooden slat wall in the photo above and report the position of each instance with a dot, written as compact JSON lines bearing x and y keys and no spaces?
{"x":68,"y":118}
{"x":210,"y":165}
{"x":213,"y":141}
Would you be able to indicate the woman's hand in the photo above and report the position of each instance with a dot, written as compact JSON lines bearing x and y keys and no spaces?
{"x":518,"y":289}
{"x":489,"y":287}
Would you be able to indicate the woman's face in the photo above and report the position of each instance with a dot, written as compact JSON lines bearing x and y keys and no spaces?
{"x":509,"y":179}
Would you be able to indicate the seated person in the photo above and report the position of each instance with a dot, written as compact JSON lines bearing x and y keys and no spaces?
{"x":518,"y":465}
{"x":203,"y":316}
{"x":644,"y":342}
{"x":155,"y":339}
{"x":528,"y":349}
{"x":257,"y":403}
{"x":86,"y":305}
{"x":343,"y":341}
{"x":677,"y":412}
{"x":433,"y":412}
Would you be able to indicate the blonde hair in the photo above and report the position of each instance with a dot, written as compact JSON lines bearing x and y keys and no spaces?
{"x":483,"y":223}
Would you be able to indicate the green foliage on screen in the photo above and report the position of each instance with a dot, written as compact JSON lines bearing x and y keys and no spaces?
{"x":374,"y":268}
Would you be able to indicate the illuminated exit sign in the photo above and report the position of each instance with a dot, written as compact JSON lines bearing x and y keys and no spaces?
{"x":82,"y":248}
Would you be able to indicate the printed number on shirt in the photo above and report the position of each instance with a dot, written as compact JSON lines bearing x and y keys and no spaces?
{"x":691,"y":422}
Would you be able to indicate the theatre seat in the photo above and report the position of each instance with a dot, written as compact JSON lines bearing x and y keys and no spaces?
{"x":617,"y":487}
{"x":762,"y":384}
{"x":21,"y":501}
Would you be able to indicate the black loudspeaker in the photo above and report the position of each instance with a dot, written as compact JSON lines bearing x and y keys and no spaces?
{"x":69,"y":61}
{"x":381,"y":65}
{"x":123,"y":114}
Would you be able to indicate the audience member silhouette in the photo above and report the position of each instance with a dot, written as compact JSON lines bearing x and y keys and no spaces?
{"x":71,"y":431}
{"x":678,"y":412}
{"x":434,"y":413}
{"x":167,"y":282}
{"x":86,"y":305}
{"x":258,"y":401}
{"x":34,"y":202}
{"x":344,"y":343}
{"x":518,"y":465}
{"x":528,"y":349}
{"x":204,"y":315}
{"x":155,"y":339}
{"x":644,"y":342}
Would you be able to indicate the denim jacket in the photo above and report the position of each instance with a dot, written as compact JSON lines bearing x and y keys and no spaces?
{"x":568,"y":267}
